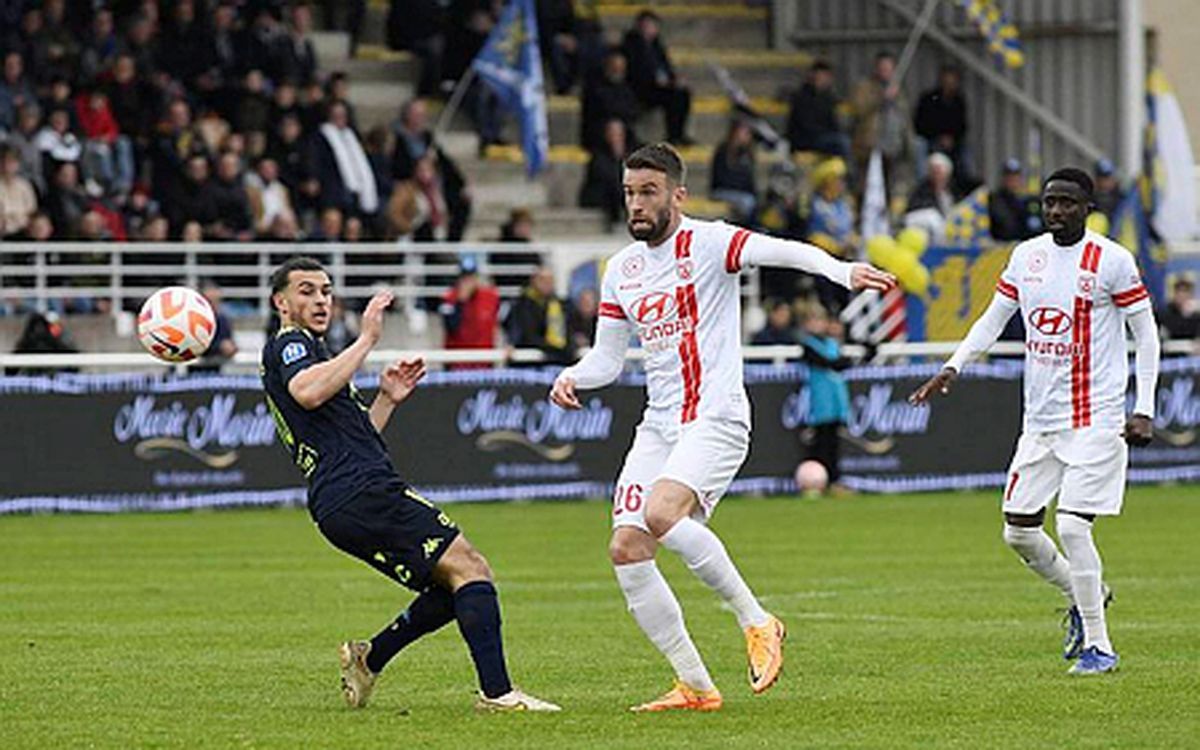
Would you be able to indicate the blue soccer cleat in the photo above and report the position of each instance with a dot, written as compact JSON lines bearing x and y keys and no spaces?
{"x":1073,"y":622}
{"x":1094,"y":661}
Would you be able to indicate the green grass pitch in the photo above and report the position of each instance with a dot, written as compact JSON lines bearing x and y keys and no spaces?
{"x":911,"y":625}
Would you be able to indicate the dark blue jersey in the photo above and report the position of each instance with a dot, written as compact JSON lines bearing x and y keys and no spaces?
{"x":335,"y":445}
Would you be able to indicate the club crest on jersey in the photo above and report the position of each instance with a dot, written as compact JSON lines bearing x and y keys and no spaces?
{"x":293,"y":352}
{"x":654,"y":307}
{"x":684,"y":268}
{"x":1050,"y":321}
{"x":1087,"y":284}
{"x":633,"y":266}
{"x":1037,"y":261}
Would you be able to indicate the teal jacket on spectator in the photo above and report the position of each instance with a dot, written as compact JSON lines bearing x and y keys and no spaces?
{"x":828,"y":396}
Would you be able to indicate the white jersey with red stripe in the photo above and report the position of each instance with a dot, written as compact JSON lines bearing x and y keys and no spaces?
{"x":682,"y":299}
{"x":1074,"y":301}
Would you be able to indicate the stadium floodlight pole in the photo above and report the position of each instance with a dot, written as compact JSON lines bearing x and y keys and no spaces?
{"x":455,"y":101}
{"x":1132,"y":41}
{"x":914,"y":39}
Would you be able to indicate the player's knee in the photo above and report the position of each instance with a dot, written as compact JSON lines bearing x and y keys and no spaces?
{"x":626,"y":551}
{"x":478,"y":567}
{"x":1018,"y":537}
{"x":1073,"y":530}
{"x":660,"y":520}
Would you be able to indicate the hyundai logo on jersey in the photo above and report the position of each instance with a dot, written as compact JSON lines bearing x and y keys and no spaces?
{"x":1050,"y":321}
{"x":654,"y":307}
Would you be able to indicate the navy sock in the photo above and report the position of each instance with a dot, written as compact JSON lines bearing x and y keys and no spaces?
{"x":427,"y":613}
{"x":478,"y":612}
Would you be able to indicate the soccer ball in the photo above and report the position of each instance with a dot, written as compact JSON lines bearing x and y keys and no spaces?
{"x":176,"y":324}
{"x":811,"y":477}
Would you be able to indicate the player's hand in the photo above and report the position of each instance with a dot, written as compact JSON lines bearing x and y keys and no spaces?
{"x":563,"y":393}
{"x":939,"y":383}
{"x":1139,"y":430}
{"x":371,"y":325}
{"x":399,"y":379}
{"x":866,"y":276}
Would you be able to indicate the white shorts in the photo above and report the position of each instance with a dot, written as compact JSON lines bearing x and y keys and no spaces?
{"x":1085,"y":468}
{"x":705,"y":455}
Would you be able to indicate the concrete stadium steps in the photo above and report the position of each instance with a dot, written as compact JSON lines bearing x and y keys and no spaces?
{"x":726,"y":24}
{"x":566,"y":171}
{"x":550,"y":223}
{"x":716,"y":24}
{"x":708,"y":123}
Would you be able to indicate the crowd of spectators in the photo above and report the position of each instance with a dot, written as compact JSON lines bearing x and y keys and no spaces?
{"x":196,"y":120}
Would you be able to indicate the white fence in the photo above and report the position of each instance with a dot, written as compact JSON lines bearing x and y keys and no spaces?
{"x":39,"y":274}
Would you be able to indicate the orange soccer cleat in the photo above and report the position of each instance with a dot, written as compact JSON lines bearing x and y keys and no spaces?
{"x":764,"y":651}
{"x":682,"y":698}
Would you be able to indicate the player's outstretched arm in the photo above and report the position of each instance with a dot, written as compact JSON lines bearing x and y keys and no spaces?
{"x":761,"y":250}
{"x":979,"y":339}
{"x":599,"y":367}
{"x":396,"y":383}
{"x":315,"y":385}
{"x":1139,"y":428}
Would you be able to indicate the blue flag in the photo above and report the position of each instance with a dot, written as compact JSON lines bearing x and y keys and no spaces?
{"x":511,"y":65}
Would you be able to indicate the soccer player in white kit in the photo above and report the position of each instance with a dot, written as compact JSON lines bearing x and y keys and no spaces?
{"x":1076,"y":291}
{"x":677,"y":288}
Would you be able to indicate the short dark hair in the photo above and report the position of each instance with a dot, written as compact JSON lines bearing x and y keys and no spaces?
{"x":281,"y":276}
{"x":1075,"y":175}
{"x":661,"y":157}
{"x":821,"y":65}
{"x":648,"y":15}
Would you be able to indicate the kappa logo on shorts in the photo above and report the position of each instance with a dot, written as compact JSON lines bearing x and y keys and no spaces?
{"x":293,"y":352}
{"x":430,"y":545}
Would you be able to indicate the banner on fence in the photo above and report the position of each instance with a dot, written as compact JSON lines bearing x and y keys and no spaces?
{"x":108,"y":443}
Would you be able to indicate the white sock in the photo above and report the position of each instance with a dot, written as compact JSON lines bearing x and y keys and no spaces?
{"x":657,"y":611}
{"x":1041,"y":555}
{"x":1076,"y":536}
{"x":705,"y":556}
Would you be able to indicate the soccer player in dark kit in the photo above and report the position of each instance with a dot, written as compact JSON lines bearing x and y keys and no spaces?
{"x":358,"y":500}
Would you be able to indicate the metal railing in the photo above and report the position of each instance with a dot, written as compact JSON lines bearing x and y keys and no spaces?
{"x":36,"y":275}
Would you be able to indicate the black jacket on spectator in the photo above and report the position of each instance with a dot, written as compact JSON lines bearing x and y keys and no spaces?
{"x":233,"y":205}
{"x":192,"y":201}
{"x":1179,"y":325}
{"x":602,"y":185}
{"x":939,"y":115}
{"x":184,"y":52}
{"x":297,"y":60}
{"x":527,"y":327}
{"x":130,"y":104}
{"x":732,"y":170}
{"x":646,"y":61}
{"x":1012,"y":216}
{"x":604,"y":100}
{"x":812,"y":114}
{"x":322,"y":165}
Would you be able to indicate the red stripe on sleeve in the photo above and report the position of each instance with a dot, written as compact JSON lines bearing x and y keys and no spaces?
{"x":1007,"y":289}
{"x":611,"y":310}
{"x":733,"y":256}
{"x":1130,"y":296}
